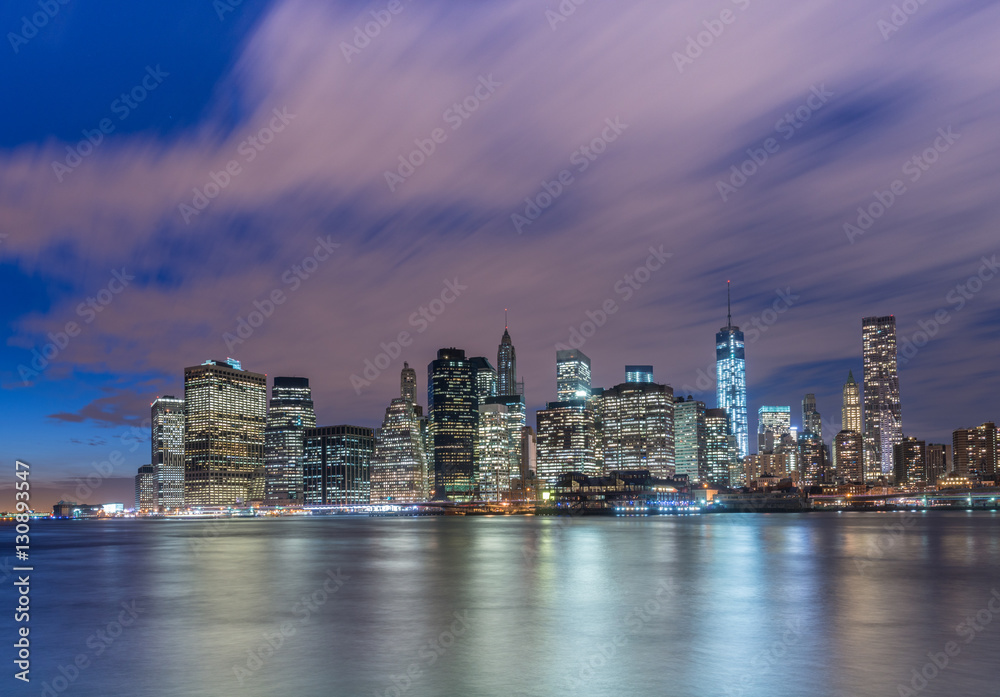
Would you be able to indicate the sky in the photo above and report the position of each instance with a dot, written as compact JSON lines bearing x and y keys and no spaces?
{"x":297,"y":183}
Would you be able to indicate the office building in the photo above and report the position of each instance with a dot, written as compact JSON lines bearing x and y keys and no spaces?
{"x":937,"y":461}
{"x":506,"y":364}
{"x":408,"y":383}
{"x":721,"y":450}
{"x":167,"y":457}
{"x":486,"y":378}
{"x":772,"y":424}
{"x":566,"y":440}
{"x":690,"y":454}
{"x":572,"y":375}
{"x":848,"y":453}
{"x":882,"y":415}
{"x":731,"y":376}
{"x":637,"y":428}
{"x":910,"y":461}
{"x":811,"y":421}
{"x":399,"y":462}
{"x":638,"y":373}
{"x":146,"y":490}
{"x":497,"y":448}
{"x":812,"y":459}
{"x":337,"y":465}
{"x":851,"y":410}
{"x":225,"y":417}
{"x":453,"y":409}
{"x":290,"y":413}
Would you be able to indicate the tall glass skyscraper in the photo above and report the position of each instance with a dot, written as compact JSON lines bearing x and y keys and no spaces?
{"x":399,"y":465}
{"x":772,"y":424}
{"x":167,"y":441}
{"x":851,"y":411}
{"x":720,"y":446}
{"x":567,"y":440}
{"x":812,"y":422}
{"x":453,"y":409}
{"x":690,"y":444}
{"x":225,"y":415}
{"x":337,"y":465}
{"x":882,"y":414}
{"x":731,"y":379}
{"x":291,"y":412}
{"x":637,"y":428}
{"x":572,"y":375}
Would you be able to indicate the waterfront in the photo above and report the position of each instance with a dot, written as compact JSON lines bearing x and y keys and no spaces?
{"x":728,"y":604}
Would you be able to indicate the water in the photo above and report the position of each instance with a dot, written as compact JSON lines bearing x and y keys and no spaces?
{"x":789,"y":604}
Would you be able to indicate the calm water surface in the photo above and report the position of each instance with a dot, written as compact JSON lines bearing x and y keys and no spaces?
{"x":795,"y":604}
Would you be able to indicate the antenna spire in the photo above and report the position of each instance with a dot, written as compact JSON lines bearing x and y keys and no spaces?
{"x":505,"y":319}
{"x":729,"y":307}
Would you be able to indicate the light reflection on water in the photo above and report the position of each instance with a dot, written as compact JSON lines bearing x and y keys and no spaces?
{"x":794,"y":604}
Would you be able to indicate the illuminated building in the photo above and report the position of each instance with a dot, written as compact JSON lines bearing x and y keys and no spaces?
{"x":637,"y":428}
{"x":851,"y":411}
{"x":289,"y":415}
{"x":514,"y":417}
{"x":731,"y":375}
{"x":909,"y":460}
{"x":974,"y":451}
{"x":812,"y":459}
{"x":529,"y":456}
{"x":811,"y":421}
{"x":937,"y":461}
{"x":453,"y":409}
{"x":336,"y":465}
{"x":639,"y":373}
{"x":772,"y":424}
{"x":167,"y":442}
{"x":408,"y":383}
{"x":145,"y":490}
{"x":848,"y":453}
{"x":496,"y":451}
{"x":399,"y":463}
{"x":566,"y":440}
{"x":226,"y":411}
{"x":506,"y":365}
{"x":882,"y":414}
{"x":572,"y":375}
{"x":691,"y":457}
{"x":720,"y":446}
{"x":486,"y":378}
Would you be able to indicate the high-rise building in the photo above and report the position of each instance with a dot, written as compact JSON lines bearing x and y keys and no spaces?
{"x":486,"y":378}
{"x":974,"y":451}
{"x":937,"y":461}
{"x":772,"y":424}
{"x":731,"y":375}
{"x":290,"y":413}
{"x":882,"y":414}
{"x":637,"y":428}
{"x":811,"y":421}
{"x":337,"y":465}
{"x":167,"y":442}
{"x":851,"y":411}
{"x":453,"y":408}
{"x":514,"y":416}
{"x":496,"y":454}
{"x":848,"y":453}
{"x":408,"y":383}
{"x":638,"y":373}
{"x":399,"y":462}
{"x":529,"y":457}
{"x":691,"y":458}
{"x":720,"y":446}
{"x":572,"y":375}
{"x":909,"y":461}
{"x":506,"y":364}
{"x":225,"y":415}
{"x":566,"y":440}
{"x":812,"y":459}
{"x":145,"y":490}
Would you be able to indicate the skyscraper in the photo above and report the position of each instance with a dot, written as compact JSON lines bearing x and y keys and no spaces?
{"x":408,"y":383}
{"x":453,"y":409}
{"x":811,"y":421}
{"x":691,"y":458}
{"x":974,"y":451}
{"x":812,"y":459}
{"x":720,"y":448}
{"x":637,"y":428}
{"x":145,"y":490}
{"x":851,"y":411}
{"x":497,"y":451}
{"x":486,"y":378}
{"x":399,"y":461}
{"x":167,"y":442}
{"x":848,"y":457}
{"x":572,"y":375}
{"x":882,"y":415}
{"x":731,"y":376}
{"x":937,"y":461}
{"x":337,"y":462}
{"x":909,"y":459}
{"x":225,"y":414}
{"x":566,"y":440}
{"x":638,"y":373}
{"x":290,"y":413}
{"x":772,"y":424}
{"x":506,"y":364}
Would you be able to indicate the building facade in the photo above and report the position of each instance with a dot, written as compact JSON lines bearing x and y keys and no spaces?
{"x":167,"y":457}
{"x":850,"y":412}
{"x":772,"y":424}
{"x":731,"y":385}
{"x":883,"y":427}
{"x":638,"y":373}
{"x":572,"y":375}
{"x":290,"y":413}
{"x":848,"y":453}
{"x":399,"y":462}
{"x":225,"y":416}
{"x":637,"y":428}
{"x":974,"y":451}
{"x":811,"y":420}
{"x":506,"y":366}
{"x":146,"y":499}
{"x":690,"y":440}
{"x":909,"y":460}
{"x":453,"y":410}
{"x":721,"y":450}
{"x":337,"y":465}
{"x":566,"y":440}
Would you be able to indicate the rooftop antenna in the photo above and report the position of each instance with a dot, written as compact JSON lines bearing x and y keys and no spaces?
{"x":729,"y":307}
{"x":505,"y":319}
